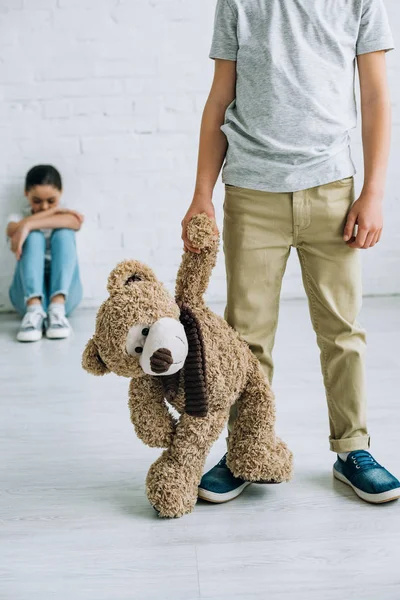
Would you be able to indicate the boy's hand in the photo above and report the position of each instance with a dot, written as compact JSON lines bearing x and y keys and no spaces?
{"x":367,"y":214}
{"x":200,"y":204}
{"x":18,"y":239}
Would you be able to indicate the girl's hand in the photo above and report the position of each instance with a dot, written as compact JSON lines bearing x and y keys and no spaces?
{"x":18,"y":240}
{"x":367,"y":214}
{"x":200,"y":204}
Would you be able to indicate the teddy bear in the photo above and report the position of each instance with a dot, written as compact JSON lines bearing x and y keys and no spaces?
{"x":178,"y":352}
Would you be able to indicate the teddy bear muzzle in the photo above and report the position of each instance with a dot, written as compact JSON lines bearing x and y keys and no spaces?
{"x":161,"y":348}
{"x":161,"y":360}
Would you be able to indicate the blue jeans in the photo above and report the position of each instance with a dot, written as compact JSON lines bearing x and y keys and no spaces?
{"x":35,"y":278}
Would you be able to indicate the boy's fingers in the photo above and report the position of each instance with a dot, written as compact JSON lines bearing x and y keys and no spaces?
{"x":360,"y":238}
{"x":375,"y":239}
{"x":369,"y":240}
{"x":186,"y":242}
{"x":349,"y":228}
{"x":362,"y":235}
{"x":190,"y":248}
{"x":377,"y":236}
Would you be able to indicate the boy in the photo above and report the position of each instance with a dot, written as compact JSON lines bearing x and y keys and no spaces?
{"x":279,"y":113}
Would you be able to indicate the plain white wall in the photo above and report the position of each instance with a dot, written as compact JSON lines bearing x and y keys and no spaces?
{"x":111,"y":92}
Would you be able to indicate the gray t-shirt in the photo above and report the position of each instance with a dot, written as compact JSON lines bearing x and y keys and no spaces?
{"x":288,"y":128}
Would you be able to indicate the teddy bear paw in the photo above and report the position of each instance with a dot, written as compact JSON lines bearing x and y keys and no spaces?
{"x":170,"y":491}
{"x":261,"y":463}
{"x":201,"y":231}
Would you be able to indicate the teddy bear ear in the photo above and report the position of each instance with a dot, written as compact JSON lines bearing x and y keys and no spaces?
{"x":195,"y":375}
{"x":91,"y":360}
{"x":128,"y":273}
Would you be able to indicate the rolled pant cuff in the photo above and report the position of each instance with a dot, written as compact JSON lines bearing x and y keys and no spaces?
{"x":58,"y":293}
{"x":348,"y":445}
{"x":31,"y":296}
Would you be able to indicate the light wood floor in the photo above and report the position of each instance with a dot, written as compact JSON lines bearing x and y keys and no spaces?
{"x":75,"y":523}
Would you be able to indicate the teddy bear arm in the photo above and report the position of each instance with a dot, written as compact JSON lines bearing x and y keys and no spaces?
{"x":152,"y":421}
{"x":195,"y":269}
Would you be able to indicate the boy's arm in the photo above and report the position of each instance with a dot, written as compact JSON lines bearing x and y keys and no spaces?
{"x":213,"y":143}
{"x":376,"y":125}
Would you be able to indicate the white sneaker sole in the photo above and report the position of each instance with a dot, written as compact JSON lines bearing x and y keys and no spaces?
{"x":58,"y":334}
{"x":221,"y":498}
{"x":29,"y":336}
{"x":371,"y":498}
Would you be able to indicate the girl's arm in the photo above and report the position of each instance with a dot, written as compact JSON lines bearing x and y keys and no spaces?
{"x":54,"y":221}
{"x":57,"y":221}
{"x":54,"y":218}
{"x":367,"y":211}
{"x":213,"y":143}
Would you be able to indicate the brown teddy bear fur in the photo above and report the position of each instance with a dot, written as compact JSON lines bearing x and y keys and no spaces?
{"x":233,"y":374}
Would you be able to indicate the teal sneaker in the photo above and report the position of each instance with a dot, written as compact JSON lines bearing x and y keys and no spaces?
{"x":370,"y":481}
{"x":219,"y":485}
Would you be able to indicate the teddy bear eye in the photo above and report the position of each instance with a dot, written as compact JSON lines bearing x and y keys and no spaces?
{"x":145,"y":331}
{"x":139,"y":349}
{"x":132,"y":279}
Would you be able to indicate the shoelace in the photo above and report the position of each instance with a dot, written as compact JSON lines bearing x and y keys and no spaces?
{"x":57,"y":320}
{"x":31,"y":320}
{"x":363,"y":460}
{"x":222,"y":462}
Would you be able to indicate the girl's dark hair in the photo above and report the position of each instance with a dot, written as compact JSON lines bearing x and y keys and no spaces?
{"x":43,"y":175}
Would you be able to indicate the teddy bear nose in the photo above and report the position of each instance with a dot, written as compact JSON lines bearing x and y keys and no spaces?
{"x":161,"y":360}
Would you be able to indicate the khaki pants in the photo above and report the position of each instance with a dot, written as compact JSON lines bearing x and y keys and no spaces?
{"x":259,"y":230}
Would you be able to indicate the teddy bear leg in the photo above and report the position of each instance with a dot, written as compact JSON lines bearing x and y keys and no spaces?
{"x":172,"y":481}
{"x":254,"y":452}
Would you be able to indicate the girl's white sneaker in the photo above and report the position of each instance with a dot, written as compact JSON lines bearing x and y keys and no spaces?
{"x":31,"y":328}
{"x":58,"y":327}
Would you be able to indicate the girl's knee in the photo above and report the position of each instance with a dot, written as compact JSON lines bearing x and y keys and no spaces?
{"x":35,"y":237}
{"x":63,"y":233}
{"x":63,"y":238}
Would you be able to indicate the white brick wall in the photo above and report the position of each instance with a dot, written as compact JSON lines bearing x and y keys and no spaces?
{"x":111,"y":92}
